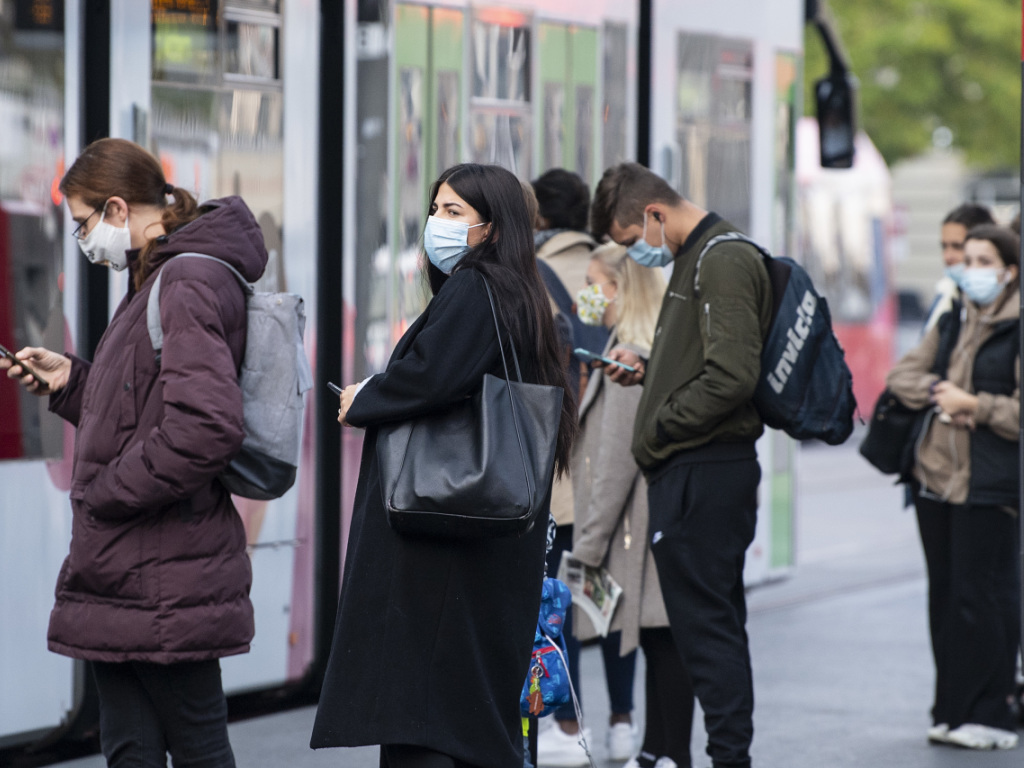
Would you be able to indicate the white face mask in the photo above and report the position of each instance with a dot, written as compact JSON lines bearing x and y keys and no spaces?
{"x":108,"y":244}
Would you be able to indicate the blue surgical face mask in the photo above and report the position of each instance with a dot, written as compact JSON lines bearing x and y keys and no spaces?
{"x":982,"y":284}
{"x":955,"y":272}
{"x":446,"y":242}
{"x":647,"y":255}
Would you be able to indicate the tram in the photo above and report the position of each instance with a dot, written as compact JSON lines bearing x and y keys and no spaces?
{"x":331,"y":119}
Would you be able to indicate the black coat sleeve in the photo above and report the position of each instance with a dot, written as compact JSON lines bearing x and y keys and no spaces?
{"x":445,"y":361}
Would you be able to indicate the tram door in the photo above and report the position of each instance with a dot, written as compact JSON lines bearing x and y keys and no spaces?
{"x":724,"y":90}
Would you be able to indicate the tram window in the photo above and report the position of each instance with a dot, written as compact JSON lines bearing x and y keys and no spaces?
{"x":501,"y":57}
{"x":713,"y":123}
{"x":554,"y":125}
{"x":502,"y":139}
{"x":585,"y":131}
{"x":613,"y":111}
{"x":447,"y":119}
{"x":251,"y":50}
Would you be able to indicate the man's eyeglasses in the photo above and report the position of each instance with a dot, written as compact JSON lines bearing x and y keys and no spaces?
{"x":76,"y":234}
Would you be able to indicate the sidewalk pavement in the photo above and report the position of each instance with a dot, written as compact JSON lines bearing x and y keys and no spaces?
{"x":842,"y":664}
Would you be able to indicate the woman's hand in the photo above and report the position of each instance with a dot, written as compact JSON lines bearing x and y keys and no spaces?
{"x":55,"y":368}
{"x":348,"y":394}
{"x":620,"y":375}
{"x":956,"y":402}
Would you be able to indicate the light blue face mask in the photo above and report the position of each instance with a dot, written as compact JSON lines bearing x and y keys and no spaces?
{"x":982,"y":284}
{"x":446,"y":242}
{"x":647,"y":255}
{"x":955,"y":272}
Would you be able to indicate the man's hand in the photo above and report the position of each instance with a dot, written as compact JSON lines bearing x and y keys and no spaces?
{"x":55,"y":368}
{"x":618,"y":374}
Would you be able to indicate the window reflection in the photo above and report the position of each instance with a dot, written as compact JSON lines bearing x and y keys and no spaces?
{"x":713,"y":123}
{"x":500,"y":109}
{"x":585,"y":131}
{"x":31,"y":221}
{"x":613,"y":111}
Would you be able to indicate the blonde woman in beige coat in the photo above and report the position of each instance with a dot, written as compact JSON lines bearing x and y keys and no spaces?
{"x":611,"y":504}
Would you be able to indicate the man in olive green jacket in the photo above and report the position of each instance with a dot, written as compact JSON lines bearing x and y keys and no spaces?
{"x":695,"y":431}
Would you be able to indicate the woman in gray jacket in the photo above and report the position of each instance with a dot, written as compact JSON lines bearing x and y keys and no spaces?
{"x":611,"y":504}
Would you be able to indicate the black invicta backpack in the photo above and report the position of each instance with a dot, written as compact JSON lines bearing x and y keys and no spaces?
{"x":805,"y":387}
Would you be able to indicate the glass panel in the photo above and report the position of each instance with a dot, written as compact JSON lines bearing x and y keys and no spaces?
{"x":408,"y":283}
{"x":554,"y":124}
{"x":185,"y":40}
{"x":786,"y":81}
{"x":502,"y":139}
{"x":31,"y":220}
{"x":713,"y":124}
{"x":447,"y":119}
{"x":501,"y":62}
{"x":585,"y":131}
{"x":251,"y":49}
{"x":613,"y":111}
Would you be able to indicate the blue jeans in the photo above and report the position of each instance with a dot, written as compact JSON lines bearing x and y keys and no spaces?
{"x":618,"y":670}
{"x":148,"y":710}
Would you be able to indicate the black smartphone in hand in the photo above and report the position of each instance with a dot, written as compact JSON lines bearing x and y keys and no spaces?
{"x":24,"y":367}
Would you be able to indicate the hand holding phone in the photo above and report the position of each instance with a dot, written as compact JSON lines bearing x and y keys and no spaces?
{"x":593,"y":356}
{"x":25,"y":370}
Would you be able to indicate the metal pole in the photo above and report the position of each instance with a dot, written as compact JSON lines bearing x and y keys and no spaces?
{"x":1020,"y":323}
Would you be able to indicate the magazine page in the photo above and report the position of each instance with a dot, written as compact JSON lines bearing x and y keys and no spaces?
{"x":593,"y":590}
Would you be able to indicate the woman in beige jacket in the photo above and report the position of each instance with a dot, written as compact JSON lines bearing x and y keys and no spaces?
{"x":965,"y":487}
{"x":611,"y":504}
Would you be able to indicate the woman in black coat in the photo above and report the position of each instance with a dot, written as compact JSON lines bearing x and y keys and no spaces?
{"x":433,"y":637}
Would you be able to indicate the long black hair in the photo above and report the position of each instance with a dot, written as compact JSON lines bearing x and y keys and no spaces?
{"x":506,"y":257}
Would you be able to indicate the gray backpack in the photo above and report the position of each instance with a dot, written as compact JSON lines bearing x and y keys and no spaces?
{"x":275,"y":375}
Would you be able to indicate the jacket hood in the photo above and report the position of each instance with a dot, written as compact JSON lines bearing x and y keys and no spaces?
{"x":564,"y":241}
{"x":226,"y":229}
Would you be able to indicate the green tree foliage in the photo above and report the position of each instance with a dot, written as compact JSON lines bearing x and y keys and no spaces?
{"x":924,"y":64}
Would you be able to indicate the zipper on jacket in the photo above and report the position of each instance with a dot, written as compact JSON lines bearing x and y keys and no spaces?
{"x":627,"y":539}
{"x":675,"y":295}
{"x":707,"y":316}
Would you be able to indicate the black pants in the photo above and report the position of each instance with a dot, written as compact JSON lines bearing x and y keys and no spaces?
{"x":619,"y":671}
{"x":669,"y":696}
{"x":148,"y":710}
{"x":702,"y":519}
{"x":406,"y":756}
{"x":973,"y":609}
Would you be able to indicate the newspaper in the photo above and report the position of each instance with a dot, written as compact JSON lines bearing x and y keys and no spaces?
{"x":593,"y":589}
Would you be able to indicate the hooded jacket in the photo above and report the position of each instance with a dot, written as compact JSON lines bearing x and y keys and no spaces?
{"x":961,"y":465}
{"x":158,"y":569}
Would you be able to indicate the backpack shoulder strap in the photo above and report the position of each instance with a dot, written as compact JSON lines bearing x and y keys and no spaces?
{"x":156,"y":331}
{"x":555,"y":286}
{"x":726,"y":237}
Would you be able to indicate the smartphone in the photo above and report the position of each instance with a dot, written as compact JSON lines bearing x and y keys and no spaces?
{"x":591,"y":356}
{"x":10,"y":356}
{"x":334,"y":388}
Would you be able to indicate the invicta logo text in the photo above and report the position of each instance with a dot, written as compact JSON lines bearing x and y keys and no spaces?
{"x":797,"y":335}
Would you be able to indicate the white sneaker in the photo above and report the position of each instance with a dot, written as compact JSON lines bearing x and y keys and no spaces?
{"x":621,"y":741}
{"x":558,"y":749}
{"x":939,"y":733}
{"x":661,"y":762}
{"x":974,"y":736}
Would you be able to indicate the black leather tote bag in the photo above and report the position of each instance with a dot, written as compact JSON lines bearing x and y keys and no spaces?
{"x":894,"y":431}
{"x":480,"y":469}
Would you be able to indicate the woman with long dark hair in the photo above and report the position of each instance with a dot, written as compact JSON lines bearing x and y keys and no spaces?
{"x":433,"y":637}
{"x":965,"y":487}
{"x":155,"y":589}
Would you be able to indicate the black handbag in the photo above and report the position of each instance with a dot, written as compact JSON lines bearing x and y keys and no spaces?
{"x":891,"y":443}
{"x":480,"y":469}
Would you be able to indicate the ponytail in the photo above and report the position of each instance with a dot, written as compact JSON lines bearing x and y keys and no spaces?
{"x":176,"y":215}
